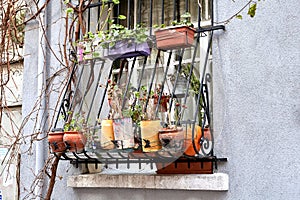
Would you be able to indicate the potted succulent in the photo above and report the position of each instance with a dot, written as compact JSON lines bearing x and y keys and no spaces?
{"x":74,"y":137}
{"x":180,"y":35}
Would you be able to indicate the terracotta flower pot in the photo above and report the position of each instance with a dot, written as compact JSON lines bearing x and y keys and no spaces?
{"x":56,"y":141}
{"x":149,"y":134}
{"x":172,"y":139}
{"x":107,"y":134}
{"x":74,"y":140}
{"x":174,"y":37}
{"x":189,"y":149}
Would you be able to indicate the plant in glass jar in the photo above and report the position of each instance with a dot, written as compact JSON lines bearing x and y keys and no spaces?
{"x":122,"y":122}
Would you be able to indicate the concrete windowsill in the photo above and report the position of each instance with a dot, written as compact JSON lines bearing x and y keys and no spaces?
{"x":208,"y":182}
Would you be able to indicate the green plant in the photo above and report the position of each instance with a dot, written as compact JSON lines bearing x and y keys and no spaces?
{"x":76,"y":123}
{"x":146,"y":103}
{"x":195,"y":87}
{"x":118,"y":32}
{"x":185,"y":20}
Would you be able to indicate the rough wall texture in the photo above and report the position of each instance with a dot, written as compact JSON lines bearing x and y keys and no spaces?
{"x":257,"y":100}
{"x":256,"y":70}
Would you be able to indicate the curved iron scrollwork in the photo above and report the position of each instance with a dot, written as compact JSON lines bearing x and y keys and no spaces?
{"x":65,"y":106}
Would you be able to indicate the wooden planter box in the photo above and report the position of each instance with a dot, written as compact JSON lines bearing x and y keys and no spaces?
{"x":174,"y":37}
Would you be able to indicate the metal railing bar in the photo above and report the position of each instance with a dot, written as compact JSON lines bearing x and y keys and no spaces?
{"x":151,"y":22}
{"x":104,"y":93}
{"x":191,"y":71}
{"x":69,"y":82}
{"x":88,"y":85}
{"x":200,"y":90}
{"x":152,"y":80}
{"x":186,"y":5}
{"x":96,"y":89}
{"x":162,"y":11}
{"x":128,"y":14}
{"x":181,"y":52}
{"x":128,"y":83}
{"x":163,"y":82}
{"x":140,"y":12}
{"x":76,"y":88}
{"x":142,"y":74}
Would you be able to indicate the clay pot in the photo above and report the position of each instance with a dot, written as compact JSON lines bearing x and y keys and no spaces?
{"x":189,"y":149}
{"x":149,"y":134}
{"x":174,"y":37}
{"x":75,"y":141}
{"x":172,"y":139}
{"x":107,"y":134}
{"x":56,"y":141}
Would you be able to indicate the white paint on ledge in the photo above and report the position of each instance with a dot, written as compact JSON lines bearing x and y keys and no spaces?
{"x":205,"y":182}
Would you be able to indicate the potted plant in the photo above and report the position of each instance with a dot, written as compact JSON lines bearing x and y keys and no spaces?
{"x":74,"y":137}
{"x":181,"y":35}
{"x":85,"y":47}
{"x":55,"y":140}
{"x":172,"y":135}
{"x":121,"y":42}
{"x":122,"y":122}
{"x":149,"y":122}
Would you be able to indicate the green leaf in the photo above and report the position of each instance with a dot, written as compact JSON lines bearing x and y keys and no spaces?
{"x":122,"y":17}
{"x":186,"y":15}
{"x":239,"y":17}
{"x":252,"y":10}
{"x":116,"y":1}
{"x":69,"y":10}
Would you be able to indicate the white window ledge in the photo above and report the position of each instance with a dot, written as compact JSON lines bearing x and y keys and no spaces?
{"x":207,"y":182}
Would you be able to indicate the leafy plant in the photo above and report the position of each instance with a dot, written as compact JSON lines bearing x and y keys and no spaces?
{"x":185,"y":20}
{"x":76,"y":123}
{"x":118,"y":32}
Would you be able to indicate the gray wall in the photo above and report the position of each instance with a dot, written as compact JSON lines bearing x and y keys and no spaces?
{"x":257,"y":100}
{"x":256,"y":70}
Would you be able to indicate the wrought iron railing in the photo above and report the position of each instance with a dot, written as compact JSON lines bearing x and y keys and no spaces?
{"x":83,"y":94}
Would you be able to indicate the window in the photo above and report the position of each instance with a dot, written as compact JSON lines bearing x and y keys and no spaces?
{"x":179,"y":76}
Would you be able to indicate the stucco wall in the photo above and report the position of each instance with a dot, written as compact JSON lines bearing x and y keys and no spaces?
{"x":257,"y":100}
{"x":256,"y":108}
